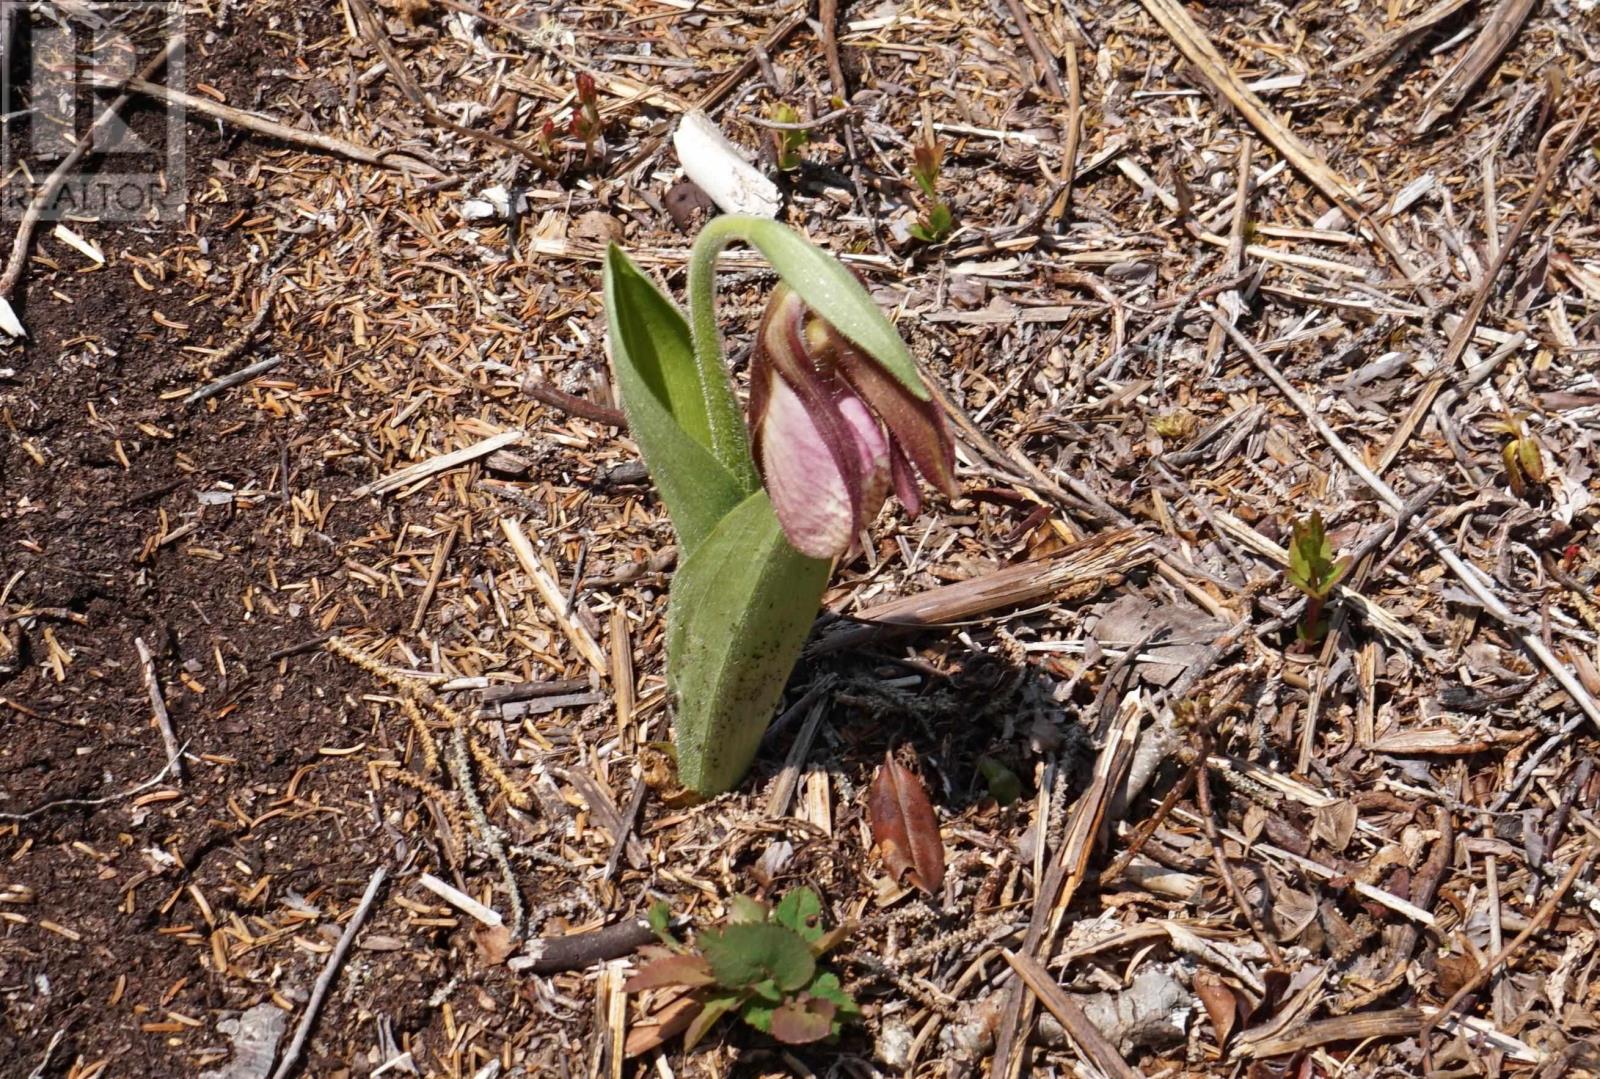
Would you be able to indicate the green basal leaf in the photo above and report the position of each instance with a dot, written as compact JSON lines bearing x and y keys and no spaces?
{"x":759,"y":1015}
{"x":745,"y":954}
{"x":741,"y":908}
{"x":653,"y":357}
{"x":740,"y":610}
{"x":656,"y":335}
{"x":825,"y":986}
{"x":827,"y":288}
{"x":801,"y":911}
{"x":659,"y":917}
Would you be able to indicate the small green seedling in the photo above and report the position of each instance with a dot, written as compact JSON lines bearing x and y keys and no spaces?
{"x":1313,"y":571}
{"x":761,"y":964}
{"x":786,"y":142}
{"x":1524,"y":463}
{"x":936,"y":220}
{"x":1004,"y":786}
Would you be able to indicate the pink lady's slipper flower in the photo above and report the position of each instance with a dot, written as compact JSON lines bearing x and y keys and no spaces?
{"x":832,"y":429}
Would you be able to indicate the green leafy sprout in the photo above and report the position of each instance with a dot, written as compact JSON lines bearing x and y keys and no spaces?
{"x":936,"y":220}
{"x":787,"y":142}
{"x":1312,"y":570}
{"x":762,"y":964}
{"x":1004,"y":786}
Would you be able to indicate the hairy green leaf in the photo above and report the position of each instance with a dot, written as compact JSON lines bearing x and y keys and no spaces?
{"x":652,"y":355}
{"x":746,"y":953}
{"x":759,"y":1014}
{"x":659,"y":918}
{"x":741,"y":607}
{"x":1004,"y":786}
{"x":825,"y":986}
{"x":934,"y":226}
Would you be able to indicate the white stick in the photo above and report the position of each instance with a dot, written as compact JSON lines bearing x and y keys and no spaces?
{"x":442,"y":463}
{"x":719,"y":168}
{"x":291,"y":1055}
{"x":462,"y":901}
{"x":550,"y":592}
{"x":159,"y":707}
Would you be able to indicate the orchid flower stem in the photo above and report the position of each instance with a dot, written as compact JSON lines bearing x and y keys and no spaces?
{"x":729,"y":439}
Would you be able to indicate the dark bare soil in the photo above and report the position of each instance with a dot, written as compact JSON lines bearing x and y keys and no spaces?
{"x":136,"y":887}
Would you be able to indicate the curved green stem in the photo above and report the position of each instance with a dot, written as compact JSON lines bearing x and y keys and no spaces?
{"x":729,"y":439}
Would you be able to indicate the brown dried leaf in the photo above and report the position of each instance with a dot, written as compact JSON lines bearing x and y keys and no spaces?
{"x":797,"y":1022}
{"x":1220,"y":1004}
{"x":1335,"y":825}
{"x":689,"y":970}
{"x":1454,"y":971}
{"x":662,"y":1026}
{"x":904,"y":827}
{"x":494,"y":943}
{"x":598,"y":226}
{"x":1255,"y":822}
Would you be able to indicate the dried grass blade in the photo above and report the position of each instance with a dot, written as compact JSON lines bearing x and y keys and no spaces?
{"x":1085,"y":564}
{"x":550,"y":591}
{"x":1499,"y":28}
{"x":1199,"y":51}
{"x":1088,"y":1037}
{"x":1343,"y":1028}
{"x":1065,"y":875}
{"x":442,"y":463}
